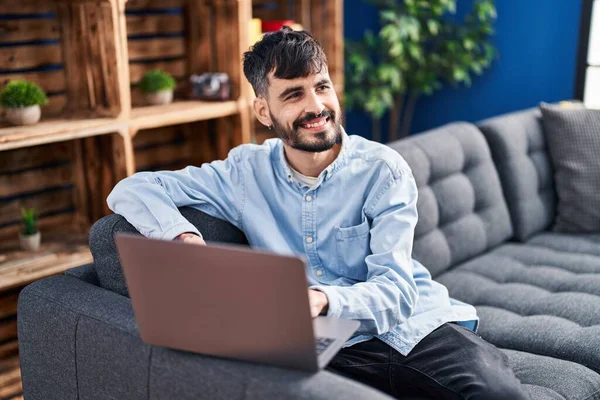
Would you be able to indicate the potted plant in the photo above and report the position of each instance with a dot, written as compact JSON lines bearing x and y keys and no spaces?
{"x":22,"y":101}
{"x":157,"y":87}
{"x":420,"y":46}
{"x":29,"y":236}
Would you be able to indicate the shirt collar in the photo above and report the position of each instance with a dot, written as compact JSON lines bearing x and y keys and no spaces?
{"x":327,"y":172}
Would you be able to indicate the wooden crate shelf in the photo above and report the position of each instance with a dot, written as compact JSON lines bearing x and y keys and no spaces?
{"x":57,"y":130}
{"x":181,"y":112}
{"x":55,"y":255}
{"x":10,"y":378}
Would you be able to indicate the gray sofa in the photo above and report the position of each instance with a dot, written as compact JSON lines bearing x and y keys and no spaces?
{"x":486,"y":204}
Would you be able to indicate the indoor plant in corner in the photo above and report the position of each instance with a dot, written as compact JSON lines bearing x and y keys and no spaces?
{"x":420,"y":46}
{"x":157,"y":87}
{"x":29,"y":236}
{"x":22,"y":101}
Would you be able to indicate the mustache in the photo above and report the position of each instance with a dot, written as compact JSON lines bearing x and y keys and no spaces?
{"x":310,"y":116}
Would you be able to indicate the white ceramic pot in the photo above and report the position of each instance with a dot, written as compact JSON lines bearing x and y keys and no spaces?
{"x":158,"y":98}
{"x":30,"y":242}
{"x":23,"y":115}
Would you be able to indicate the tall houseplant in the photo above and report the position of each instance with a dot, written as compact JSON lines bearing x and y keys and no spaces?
{"x":420,"y":46}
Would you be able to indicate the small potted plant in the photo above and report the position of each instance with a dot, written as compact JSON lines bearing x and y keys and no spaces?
{"x":29,"y":236}
{"x":157,"y":87}
{"x":22,"y":101}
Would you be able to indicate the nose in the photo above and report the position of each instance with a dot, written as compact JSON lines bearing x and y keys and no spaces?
{"x":314,"y":104}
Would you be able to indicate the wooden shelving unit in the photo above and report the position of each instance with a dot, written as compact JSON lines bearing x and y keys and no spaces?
{"x":89,"y":56}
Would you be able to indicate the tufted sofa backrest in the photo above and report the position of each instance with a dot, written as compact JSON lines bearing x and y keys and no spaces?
{"x":462,"y":212}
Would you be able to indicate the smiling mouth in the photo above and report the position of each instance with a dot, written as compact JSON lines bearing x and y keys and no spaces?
{"x":315,"y":124}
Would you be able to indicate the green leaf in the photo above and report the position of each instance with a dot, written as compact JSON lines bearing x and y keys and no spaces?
{"x":370,"y":39}
{"x":489,"y":50}
{"x":396,"y":49}
{"x":452,"y":7}
{"x":459,"y":74}
{"x":415,"y":52}
{"x":468,"y":44}
{"x":433,"y":26}
{"x":477,"y":68}
{"x":390,"y":33}
{"x":388,"y":16}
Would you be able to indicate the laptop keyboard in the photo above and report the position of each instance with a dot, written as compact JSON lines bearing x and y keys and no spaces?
{"x":322,"y":344}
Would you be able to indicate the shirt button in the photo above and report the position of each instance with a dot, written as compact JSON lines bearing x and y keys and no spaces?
{"x":319,"y":272}
{"x":309,"y":239}
{"x":308,"y":198}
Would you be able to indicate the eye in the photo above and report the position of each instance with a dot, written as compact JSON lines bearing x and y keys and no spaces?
{"x":294,"y":95}
{"x":323,"y":88}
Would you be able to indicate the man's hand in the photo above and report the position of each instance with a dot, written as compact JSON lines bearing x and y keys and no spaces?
{"x":318,"y":302}
{"x":191,"y":238}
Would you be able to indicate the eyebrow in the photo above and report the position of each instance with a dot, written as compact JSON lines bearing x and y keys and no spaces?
{"x":287,"y":91}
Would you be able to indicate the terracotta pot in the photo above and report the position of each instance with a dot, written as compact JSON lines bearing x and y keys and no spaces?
{"x":158,"y":98}
{"x":30,"y":242}
{"x":23,"y":115}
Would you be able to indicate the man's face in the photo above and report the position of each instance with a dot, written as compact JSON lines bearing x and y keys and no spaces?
{"x":305,"y":112}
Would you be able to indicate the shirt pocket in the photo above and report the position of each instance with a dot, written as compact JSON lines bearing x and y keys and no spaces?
{"x":352,"y":247}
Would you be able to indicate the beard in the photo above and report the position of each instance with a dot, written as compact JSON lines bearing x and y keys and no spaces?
{"x":310,"y":142}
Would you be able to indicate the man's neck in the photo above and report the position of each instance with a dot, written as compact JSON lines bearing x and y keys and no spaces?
{"x":311,"y":164}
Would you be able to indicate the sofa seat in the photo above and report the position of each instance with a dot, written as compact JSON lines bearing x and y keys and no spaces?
{"x":541,"y":296}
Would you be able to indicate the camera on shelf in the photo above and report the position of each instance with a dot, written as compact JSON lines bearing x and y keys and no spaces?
{"x":210,"y":86}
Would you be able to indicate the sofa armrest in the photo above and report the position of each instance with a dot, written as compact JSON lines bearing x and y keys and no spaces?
{"x":85,"y":272}
{"x":104,"y":250}
{"x":78,"y":340}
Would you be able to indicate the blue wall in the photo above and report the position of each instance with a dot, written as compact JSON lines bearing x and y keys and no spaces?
{"x":537,"y":46}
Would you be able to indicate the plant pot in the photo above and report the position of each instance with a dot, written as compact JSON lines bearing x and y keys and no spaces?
{"x":23,"y":115}
{"x":158,"y":98}
{"x":30,"y":242}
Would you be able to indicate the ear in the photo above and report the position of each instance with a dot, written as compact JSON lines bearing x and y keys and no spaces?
{"x":261,"y":110}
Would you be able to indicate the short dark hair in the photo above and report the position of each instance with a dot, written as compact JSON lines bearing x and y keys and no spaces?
{"x":290,"y":54}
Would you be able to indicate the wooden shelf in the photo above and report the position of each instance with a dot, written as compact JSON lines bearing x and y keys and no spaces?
{"x":56,"y":130}
{"x":181,"y":112}
{"x":55,"y":255}
{"x":10,"y":378}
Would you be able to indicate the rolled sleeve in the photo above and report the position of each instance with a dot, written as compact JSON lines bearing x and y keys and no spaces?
{"x":150,"y":200}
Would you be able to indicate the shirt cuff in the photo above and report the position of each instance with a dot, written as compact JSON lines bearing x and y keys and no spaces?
{"x":178,"y":230}
{"x":334,"y":308}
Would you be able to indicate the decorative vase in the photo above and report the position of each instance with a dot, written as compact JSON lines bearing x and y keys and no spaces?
{"x":23,"y":115}
{"x":158,"y":98}
{"x":30,"y":242}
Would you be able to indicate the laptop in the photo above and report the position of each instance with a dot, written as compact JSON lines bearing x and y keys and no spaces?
{"x":227,"y":301}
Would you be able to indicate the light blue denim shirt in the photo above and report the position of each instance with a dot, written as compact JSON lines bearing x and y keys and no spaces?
{"x":354,"y":227}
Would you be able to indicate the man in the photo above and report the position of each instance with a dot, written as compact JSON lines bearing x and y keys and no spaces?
{"x":349,"y":206}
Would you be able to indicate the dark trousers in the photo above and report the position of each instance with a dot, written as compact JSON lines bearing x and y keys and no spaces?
{"x":452,"y":362}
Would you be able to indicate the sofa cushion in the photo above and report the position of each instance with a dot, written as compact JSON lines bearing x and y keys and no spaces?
{"x":573,"y":137}
{"x":519,"y":151}
{"x":541,"y":296}
{"x":461,"y":209}
{"x":539,"y":375}
{"x":106,"y":259}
